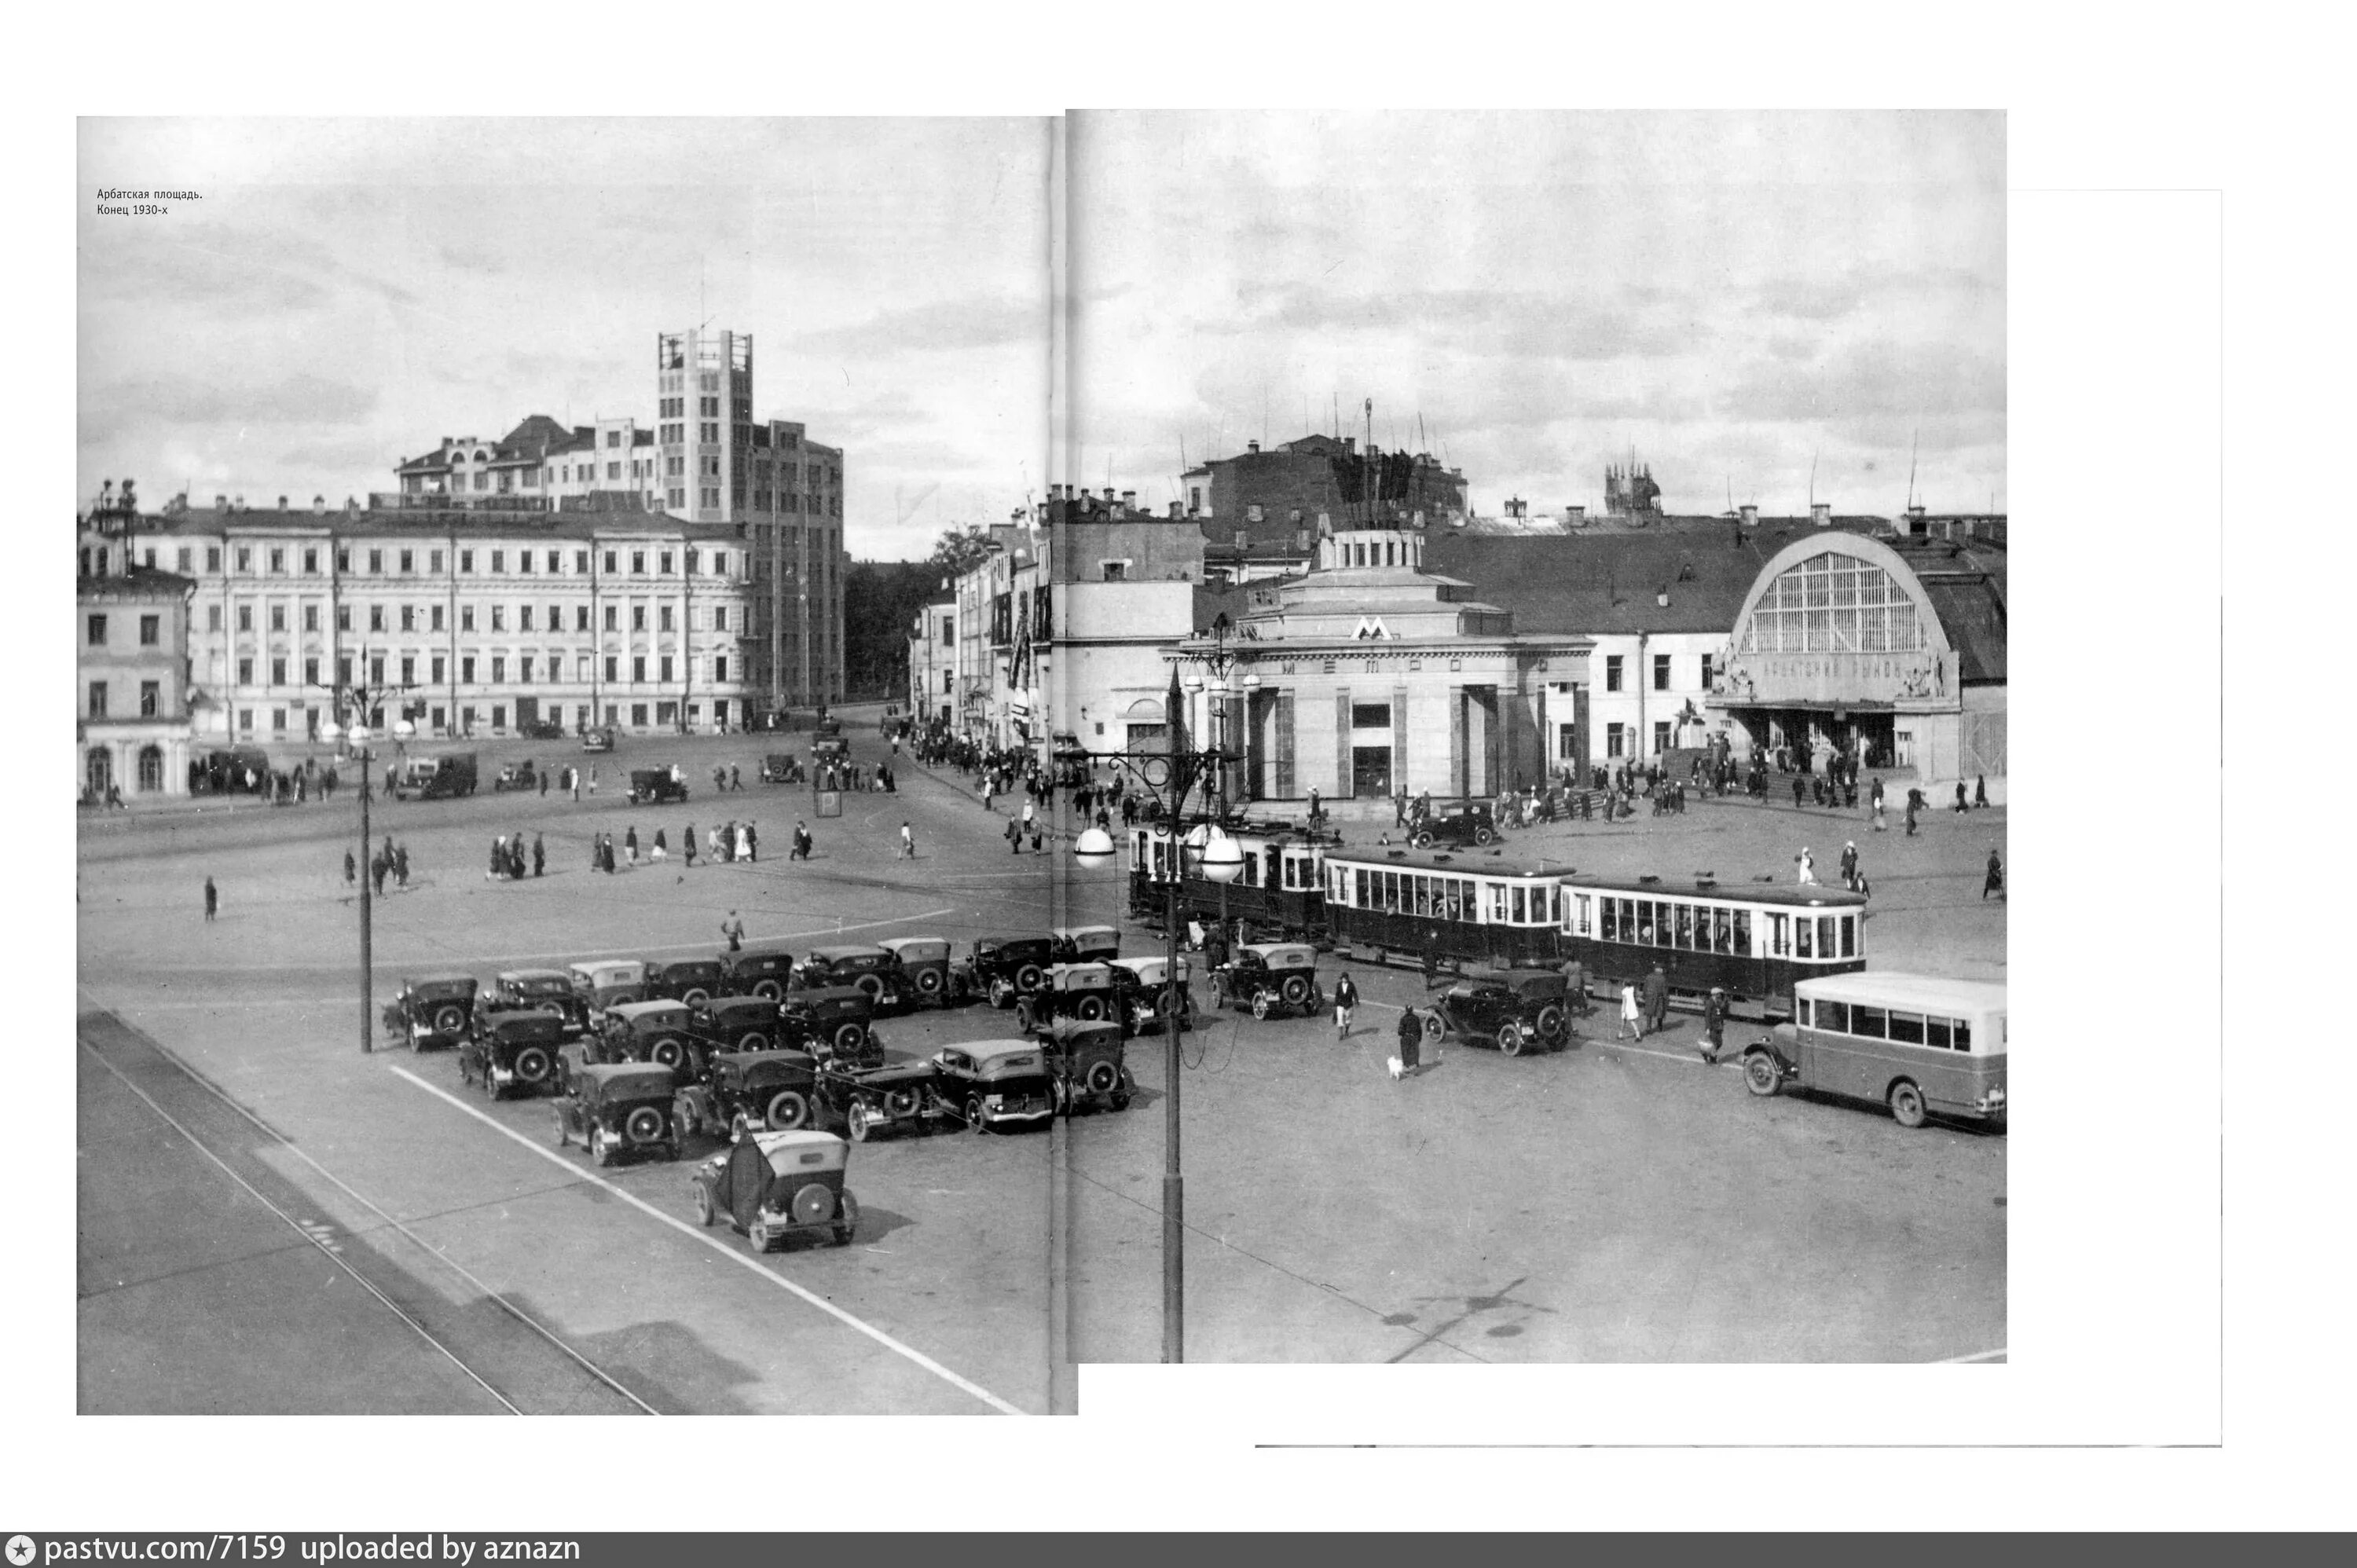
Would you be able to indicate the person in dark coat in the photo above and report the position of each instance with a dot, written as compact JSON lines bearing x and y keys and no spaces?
{"x":213,"y":900}
{"x":1431,"y":957}
{"x":1994,"y":881}
{"x":539,"y":856}
{"x":1575,"y":986}
{"x":688,"y":845}
{"x":1346,"y":1004}
{"x":1657,"y":1000}
{"x":1980,"y":791}
{"x":400,"y":865}
{"x":543,"y":782}
{"x":753,"y":842}
{"x":1714,"y":1026}
{"x":377,"y":868}
{"x":1800,"y":791}
{"x":630,"y":843}
{"x":1411,"y":1042}
{"x":351,"y":869}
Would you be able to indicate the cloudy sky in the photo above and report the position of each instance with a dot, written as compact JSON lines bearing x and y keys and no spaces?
{"x":1733,"y":295}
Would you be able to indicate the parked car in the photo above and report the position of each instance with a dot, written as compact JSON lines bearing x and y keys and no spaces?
{"x":544,"y":991}
{"x":750,"y":1092}
{"x":924,"y":966}
{"x":1004,"y":968}
{"x":1085,"y":1062}
{"x":597,"y":737}
{"x":873,"y":970}
{"x":693,"y":981}
{"x":654,"y":1031}
{"x":1082,"y":991}
{"x":434,"y":1009}
{"x":867,"y":1099}
{"x":994,"y":1082}
{"x":541,"y":729}
{"x":437,"y":778}
{"x":516,"y":776}
{"x":837,"y":1024}
{"x":763,"y":972}
{"x":1460,"y":823}
{"x":514,"y":1051}
{"x":618,"y":1107}
{"x":1526,"y":1014}
{"x":737,"y":1023}
{"x":1141,"y":991}
{"x":607,"y":983}
{"x":774,"y":1186}
{"x":1267,"y":976}
{"x":778,"y":767}
{"x":654,"y":786}
{"x":1084,"y":944}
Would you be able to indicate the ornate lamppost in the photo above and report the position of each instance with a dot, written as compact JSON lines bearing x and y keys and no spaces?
{"x":361,"y":700}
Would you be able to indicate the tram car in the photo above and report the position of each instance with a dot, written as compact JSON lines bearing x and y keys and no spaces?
{"x":1392,"y":905}
{"x":1754,"y":939}
{"x":1281,"y":889}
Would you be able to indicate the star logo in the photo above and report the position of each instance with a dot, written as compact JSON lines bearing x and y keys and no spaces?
{"x":20,"y":1549}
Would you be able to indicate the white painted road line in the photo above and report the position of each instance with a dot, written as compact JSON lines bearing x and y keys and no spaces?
{"x":746,"y":1260}
{"x":1996,"y":1354}
{"x":586,"y":955}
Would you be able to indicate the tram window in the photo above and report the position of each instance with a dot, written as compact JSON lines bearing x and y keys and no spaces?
{"x":1779,"y":944}
{"x":1610,"y":918}
{"x":1868,"y":1021}
{"x":1360,"y":897}
{"x":1579,"y":914}
{"x":1645,"y":921}
{"x":1522,"y":907}
{"x":1833,"y":1015}
{"x":1906,"y":1028}
{"x":1803,"y":946}
{"x":1251,"y":869}
{"x":1935,"y":1032}
{"x":1722,"y":938}
{"x":1423,"y":895}
{"x":1963,"y":1035}
{"x":1743,"y":933}
{"x":1826,"y":924}
{"x":1849,"y":936}
{"x":1685,"y":926}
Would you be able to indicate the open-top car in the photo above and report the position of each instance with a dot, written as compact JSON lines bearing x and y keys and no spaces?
{"x":1515,"y":1010}
{"x":873,"y":970}
{"x":1269,"y":976}
{"x":1141,"y":990}
{"x":618,"y":1106}
{"x":514,"y":1051}
{"x":867,"y":1099}
{"x":750,"y":1092}
{"x":695,"y":981}
{"x":1084,"y":1061}
{"x":834,"y":1025}
{"x":597,"y":737}
{"x":606,"y":982}
{"x":773,"y":1186}
{"x":517,"y":775}
{"x":1462,"y":824}
{"x":434,"y":1009}
{"x":924,"y":967}
{"x":1004,"y":968}
{"x":653,"y":785}
{"x":763,"y":972}
{"x":1084,"y":944}
{"x":660,"y":1032}
{"x":996,"y":1082}
{"x":1083,"y":991}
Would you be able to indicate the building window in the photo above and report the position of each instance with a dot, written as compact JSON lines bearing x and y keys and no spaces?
{"x":465,"y":561}
{"x":1661,"y":737}
{"x":245,"y":617}
{"x":663,"y":617}
{"x":609,"y":560}
{"x":343,"y":670}
{"x":151,"y":631}
{"x":1116,"y":571}
{"x":376,"y":562}
{"x":343,"y":559}
{"x":279,"y":617}
{"x":1615,"y":745}
{"x":244,"y":559}
{"x":611,"y":622}
{"x":311,"y":672}
{"x":408,"y":670}
{"x":434,"y":617}
{"x":1612,"y":676}
{"x":499,"y":560}
{"x":343,"y":618}
{"x":524,"y":560}
{"x":611,"y":664}
{"x":499,"y":617}
{"x":663,"y":563}
{"x":98,"y":699}
{"x":1371,"y":715}
{"x":523,"y":618}
{"x":1660,"y":672}
{"x":310,"y":562}
{"x":581,"y":562}
{"x":409,"y":618}
{"x":278,"y":672}
{"x":638,"y":667}
{"x":213,"y":557}
{"x":1708,"y":674}
{"x":638,"y":563}
{"x":436,"y":668}
{"x":466,"y":618}
{"x":638,"y":617}
{"x":720,"y":668}
{"x":245,"y":672}
{"x":580,"y":618}
{"x":98,"y":631}
{"x":376,"y":617}
{"x":310,"y":618}
{"x":433,"y":562}
{"x":499,"y":668}
{"x":376,"y":670}
{"x":720,"y":563}
{"x":691,"y":563}
{"x":277,"y":561}
{"x":720,"y":618}
{"x":467,"y":669}
{"x":663,"y":667}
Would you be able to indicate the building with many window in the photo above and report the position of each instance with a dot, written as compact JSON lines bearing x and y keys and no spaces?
{"x":132,"y":730}
{"x":932,"y":665}
{"x":491,"y":620}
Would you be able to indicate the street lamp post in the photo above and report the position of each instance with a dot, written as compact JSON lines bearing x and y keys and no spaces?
{"x":361,"y":700}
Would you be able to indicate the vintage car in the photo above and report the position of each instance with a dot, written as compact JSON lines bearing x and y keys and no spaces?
{"x":1459,"y":823}
{"x":1003,"y":968}
{"x":1084,"y":1061}
{"x":432,"y":1009}
{"x":660,"y":1032}
{"x":597,"y":737}
{"x":924,"y":967}
{"x":613,"y":1107}
{"x":653,"y":785}
{"x":1083,"y":991}
{"x":737,"y":1022}
{"x":606,"y":982}
{"x":1141,"y":990}
{"x":548,"y":990}
{"x":867,"y":1100}
{"x":1084,"y":944}
{"x":764,"y":972}
{"x":1267,"y":976}
{"x":993,"y":1083}
{"x":695,"y":981}
{"x":750,"y":1092}
{"x":512,"y":1050}
{"x":873,"y":970}
{"x":777,"y":1184}
{"x":834,"y":1023}
{"x":778,"y":767}
{"x":541,"y":729}
{"x":517,"y":775}
{"x":1515,"y":1010}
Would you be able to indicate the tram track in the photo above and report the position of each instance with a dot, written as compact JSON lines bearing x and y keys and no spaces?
{"x":516,"y":1360}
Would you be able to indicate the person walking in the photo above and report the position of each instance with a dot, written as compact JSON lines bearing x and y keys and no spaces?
{"x":1961,"y":804}
{"x":802,"y":840}
{"x":687,"y":846}
{"x":1632,"y":1023}
{"x":1849,"y":864}
{"x":734,"y":929}
{"x":1657,"y":1000}
{"x":907,"y":842}
{"x":377,"y":870}
{"x":351,"y":869}
{"x":1575,"y":986}
{"x":539,"y":855}
{"x":593,"y":780}
{"x":400,"y":865}
{"x":1411,"y":1043}
{"x":736,"y":779}
{"x":1714,"y":1026}
{"x":630,"y":843}
{"x":1980,"y":791}
{"x":1808,"y":865}
{"x":213,"y":900}
{"x":660,"y":851}
{"x":1913,"y":797}
{"x":1994,"y":882}
{"x":1877,"y":798}
{"x":1014,"y":836}
{"x":543,"y":783}
{"x":1431,"y":957}
{"x":753,"y":842}
{"x":1399,"y":807}
{"x":1799,"y":792}
{"x":573,"y":776}
{"x":1346,"y":1004}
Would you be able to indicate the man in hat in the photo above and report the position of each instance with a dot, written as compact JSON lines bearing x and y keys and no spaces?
{"x":1714,"y":1026}
{"x":1411,"y":1039}
{"x":1657,"y":1000}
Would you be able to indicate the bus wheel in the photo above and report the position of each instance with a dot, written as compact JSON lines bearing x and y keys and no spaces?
{"x":1906,"y":1104}
{"x":1759,"y":1074}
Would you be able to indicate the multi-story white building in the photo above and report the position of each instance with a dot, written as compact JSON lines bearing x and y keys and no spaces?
{"x":491,"y":620}
{"x":132,"y":726}
{"x":932,"y":665}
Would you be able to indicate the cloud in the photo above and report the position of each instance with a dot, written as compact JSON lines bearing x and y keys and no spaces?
{"x":224,"y":271}
{"x":1873,"y":378}
{"x":469,"y":258}
{"x":945,"y":326}
{"x":143,"y":403}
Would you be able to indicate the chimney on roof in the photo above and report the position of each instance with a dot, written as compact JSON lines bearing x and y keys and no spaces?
{"x":1820,"y":514}
{"x":1349,"y":444}
{"x":1179,"y":511}
{"x":220,"y":504}
{"x":282,"y":503}
{"x":351,"y":503}
{"x":1129,"y":497}
{"x":1575,"y":515}
{"x":1251,"y":447}
{"x":318,"y":503}
{"x":1108,"y":495}
{"x":1749,"y":514}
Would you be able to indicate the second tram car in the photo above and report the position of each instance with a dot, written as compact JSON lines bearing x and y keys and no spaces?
{"x":1281,"y":890}
{"x":1480,"y":909}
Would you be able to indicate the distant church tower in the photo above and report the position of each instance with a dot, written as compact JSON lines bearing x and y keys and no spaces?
{"x":1630,"y":492}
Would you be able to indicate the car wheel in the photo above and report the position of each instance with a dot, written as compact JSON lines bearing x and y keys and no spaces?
{"x":858,"y":1117}
{"x":531,"y":1064}
{"x":1549,"y":1026}
{"x":1104,"y":1077}
{"x":753,"y":1040}
{"x":759,"y":1235}
{"x":449,"y":1019}
{"x":1028,"y":977}
{"x":601,"y":1148}
{"x":667,"y":1052}
{"x":1435,"y":1027}
{"x":787,"y":1110}
{"x":695,"y":996}
{"x":847,"y":1224}
{"x":974,"y":1121}
{"x":1001,"y":993}
{"x":563,"y":1133}
{"x":768,"y":989}
{"x":1090,"y":1009}
{"x":1422,"y":840}
{"x":1297,"y":991}
{"x":929,"y":984}
{"x":1907,"y":1104}
{"x":704,"y":1214}
{"x":899,"y":1103}
{"x":1484,"y":836}
{"x":1261,"y":1003}
{"x":683,"y":1117}
{"x":1510,"y":1039}
{"x":872,"y":986}
{"x":1023,"y":1015}
{"x":1761,"y":1075}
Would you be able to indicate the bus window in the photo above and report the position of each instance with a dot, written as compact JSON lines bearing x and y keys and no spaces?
{"x":1826,"y":934}
{"x":1963,"y":1035}
{"x":1804,"y":1013}
{"x":1849,"y":936}
{"x":1645,"y":921}
{"x":1743,"y":933}
{"x":1906,"y":1028}
{"x":1779,"y":944}
{"x":1935,"y":1032}
{"x":1802,"y":947}
{"x":1834,"y":1016}
{"x":1868,"y":1021}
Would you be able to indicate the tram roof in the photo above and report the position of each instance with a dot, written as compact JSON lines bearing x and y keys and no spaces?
{"x":1446,"y":863}
{"x":1785,"y":895}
